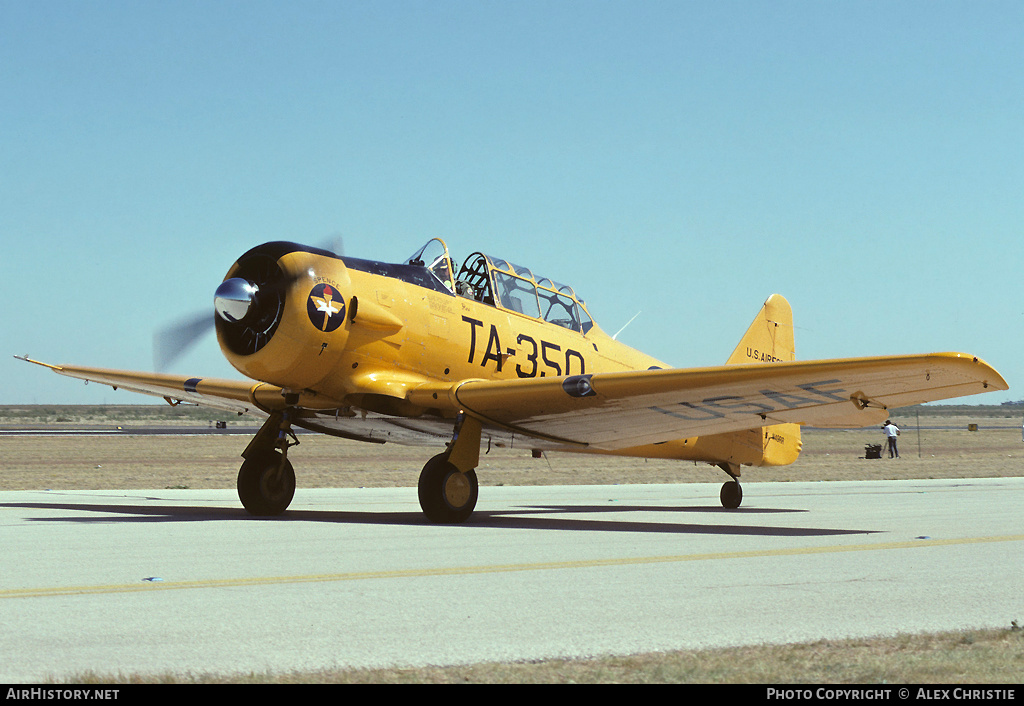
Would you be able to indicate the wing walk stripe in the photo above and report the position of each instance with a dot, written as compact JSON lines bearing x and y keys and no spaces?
{"x":495,"y":568}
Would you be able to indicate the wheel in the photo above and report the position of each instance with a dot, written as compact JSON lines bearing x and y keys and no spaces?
{"x":731,"y":495}
{"x":261,"y":488}
{"x":447,"y":495}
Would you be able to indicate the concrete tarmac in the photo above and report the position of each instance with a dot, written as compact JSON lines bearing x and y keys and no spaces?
{"x":185,"y":581}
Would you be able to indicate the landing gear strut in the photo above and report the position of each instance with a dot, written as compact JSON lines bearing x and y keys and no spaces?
{"x":448,"y":486}
{"x":732,"y":494}
{"x":266,"y":480}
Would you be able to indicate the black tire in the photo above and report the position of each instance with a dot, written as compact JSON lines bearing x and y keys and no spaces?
{"x":731,"y":495}
{"x":262,"y":490}
{"x":447,"y":495}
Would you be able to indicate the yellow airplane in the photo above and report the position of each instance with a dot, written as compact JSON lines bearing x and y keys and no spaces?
{"x":419,"y":353}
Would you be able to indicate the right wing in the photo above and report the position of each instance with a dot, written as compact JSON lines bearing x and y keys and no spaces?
{"x":626,"y":409}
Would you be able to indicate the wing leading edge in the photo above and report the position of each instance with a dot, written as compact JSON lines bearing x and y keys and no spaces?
{"x":226,"y":395}
{"x":621,"y":410}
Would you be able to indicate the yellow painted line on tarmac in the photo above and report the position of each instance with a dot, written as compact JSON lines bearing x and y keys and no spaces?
{"x":146,"y":585}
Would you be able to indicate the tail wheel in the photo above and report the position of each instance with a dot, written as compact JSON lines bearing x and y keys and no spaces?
{"x":265,"y":484}
{"x":447,"y":495}
{"x":731,"y":495}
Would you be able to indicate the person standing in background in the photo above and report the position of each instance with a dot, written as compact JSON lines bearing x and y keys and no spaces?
{"x":891,"y":432}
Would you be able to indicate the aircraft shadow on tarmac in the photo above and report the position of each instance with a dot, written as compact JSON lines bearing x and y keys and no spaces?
{"x":539,"y":517}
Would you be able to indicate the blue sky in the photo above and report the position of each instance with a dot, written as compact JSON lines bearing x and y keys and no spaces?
{"x":680,"y":159}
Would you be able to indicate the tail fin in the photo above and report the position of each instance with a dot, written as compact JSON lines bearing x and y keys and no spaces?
{"x":770,"y":338}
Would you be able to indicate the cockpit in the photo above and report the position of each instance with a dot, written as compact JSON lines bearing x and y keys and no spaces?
{"x":504,"y":285}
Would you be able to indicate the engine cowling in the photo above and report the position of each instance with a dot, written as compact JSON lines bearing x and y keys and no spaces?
{"x":282,"y":314}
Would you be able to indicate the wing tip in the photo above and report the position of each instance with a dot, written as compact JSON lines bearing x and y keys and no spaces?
{"x":993,"y":379}
{"x":39,"y":362}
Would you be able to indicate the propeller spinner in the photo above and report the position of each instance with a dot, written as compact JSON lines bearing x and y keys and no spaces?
{"x":235,"y":298}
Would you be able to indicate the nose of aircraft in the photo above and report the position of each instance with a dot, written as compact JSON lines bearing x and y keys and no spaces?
{"x":281,"y":314}
{"x":234,"y":299}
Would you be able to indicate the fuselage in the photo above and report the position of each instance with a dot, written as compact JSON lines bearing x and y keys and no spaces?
{"x":355,"y":336}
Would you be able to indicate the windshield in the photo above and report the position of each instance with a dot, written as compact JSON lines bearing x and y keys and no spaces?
{"x":434,"y":256}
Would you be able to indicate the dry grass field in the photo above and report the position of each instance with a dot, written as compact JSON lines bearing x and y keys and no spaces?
{"x":941,"y":447}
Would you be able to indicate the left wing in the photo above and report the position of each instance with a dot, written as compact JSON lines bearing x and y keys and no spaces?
{"x":626,"y":409}
{"x":241,"y":397}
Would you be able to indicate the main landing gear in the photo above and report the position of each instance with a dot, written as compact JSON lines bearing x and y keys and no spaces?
{"x":266,"y":480}
{"x":732,"y":494}
{"x":448,"y":486}
{"x":447,"y":495}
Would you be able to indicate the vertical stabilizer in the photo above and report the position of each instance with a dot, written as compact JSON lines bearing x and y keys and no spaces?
{"x":770,"y":338}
